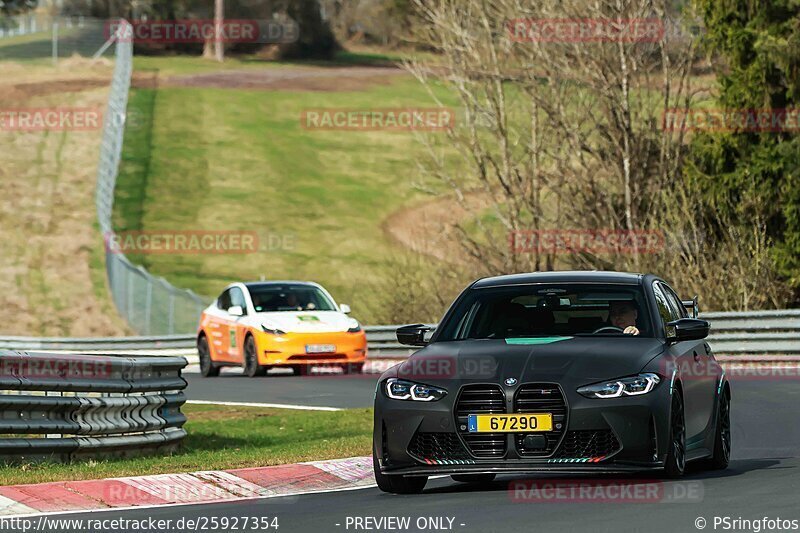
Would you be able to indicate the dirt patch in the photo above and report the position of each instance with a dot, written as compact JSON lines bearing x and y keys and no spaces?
{"x":319,"y":79}
{"x":203,"y":413}
{"x":429,"y":228}
{"x":24,"y":91}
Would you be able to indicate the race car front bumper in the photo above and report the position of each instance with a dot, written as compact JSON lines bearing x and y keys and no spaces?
{"x":610,"y":435}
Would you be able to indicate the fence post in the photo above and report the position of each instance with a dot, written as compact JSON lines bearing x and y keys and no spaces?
{"x":148,"y":306}
{"x":171,"y":313}
{"x":55,"y":43}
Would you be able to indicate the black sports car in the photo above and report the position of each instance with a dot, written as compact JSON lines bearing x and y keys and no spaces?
{"x":571,"y":372}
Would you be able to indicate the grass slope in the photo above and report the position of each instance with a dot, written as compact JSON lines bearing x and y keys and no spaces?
{"x":237,"y":159}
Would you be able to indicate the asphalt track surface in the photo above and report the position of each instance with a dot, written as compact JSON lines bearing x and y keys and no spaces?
{"x":762,"y":481}
{"x":335,"y":390}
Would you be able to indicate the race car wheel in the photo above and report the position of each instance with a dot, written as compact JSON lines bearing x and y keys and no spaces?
{"x":251,"y":366}
{"x":353,"y":368}
{"x":207,"y":367}
{"x":676,"y":456}
{"x":473,"y":478}
{"x":397,"y":484}
{"x":722,"y":435}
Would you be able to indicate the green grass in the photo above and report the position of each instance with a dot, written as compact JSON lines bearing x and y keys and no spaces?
{"x":222,"y":437}
{"x":204,"y":158}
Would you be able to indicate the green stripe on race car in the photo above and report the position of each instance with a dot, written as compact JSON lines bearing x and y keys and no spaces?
{"x":536,"y":340}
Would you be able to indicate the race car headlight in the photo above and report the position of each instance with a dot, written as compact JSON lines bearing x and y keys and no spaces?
{"x":400,"y":389}
{"x":632,"y":386}
{"x":272,"y":331}
{"x":353,"y":326}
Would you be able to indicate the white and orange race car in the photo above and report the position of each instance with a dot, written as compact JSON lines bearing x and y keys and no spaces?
{"x":290,"y":324}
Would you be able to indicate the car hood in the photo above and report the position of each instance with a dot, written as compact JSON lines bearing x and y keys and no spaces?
{"x":306,"y":321}
{"x":556,"y":359}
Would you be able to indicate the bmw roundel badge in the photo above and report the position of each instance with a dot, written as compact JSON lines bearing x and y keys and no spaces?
{"x":511,"y":381}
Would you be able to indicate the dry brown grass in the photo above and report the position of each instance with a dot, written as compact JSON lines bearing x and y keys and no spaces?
{"x":48,"y":239}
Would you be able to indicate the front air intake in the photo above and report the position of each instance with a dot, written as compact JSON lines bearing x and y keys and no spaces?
{"x":541,"y":398}
{"x":481,"y":399}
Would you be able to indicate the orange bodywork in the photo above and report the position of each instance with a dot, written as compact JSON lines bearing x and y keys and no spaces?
{"x":226,"y":345}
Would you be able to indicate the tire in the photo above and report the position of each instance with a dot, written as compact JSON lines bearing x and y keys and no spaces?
{"x":397,"y":484}
{"x":207,"y":368}
{"x":722,"y":436}
{"x":353,"y":368}
{"x":675,"y":465}
{"x":473,"y":478}
{"x":251,"y":366}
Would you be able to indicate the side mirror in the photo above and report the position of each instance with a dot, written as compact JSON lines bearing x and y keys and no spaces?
{"x":687,"y":329}
{"x":236,"y":310}
{"x":344,"y":308}
{"x":413,"y":335}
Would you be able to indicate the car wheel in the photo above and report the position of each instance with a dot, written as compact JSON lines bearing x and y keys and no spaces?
{"x":207,"y":368}
{"x":722,"y":437}
{"x":397,"y":484}
{"x":675,"y":464}
{"x":251,"y":366}
{"x":474,"y":478}
{"x":353,"y":368}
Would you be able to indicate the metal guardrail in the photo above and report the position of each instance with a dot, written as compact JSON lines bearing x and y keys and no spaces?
{"x":98,"y":344}
{"x":61,"y":407}
{"x":755,"y":332}
{"x":732,"y":333}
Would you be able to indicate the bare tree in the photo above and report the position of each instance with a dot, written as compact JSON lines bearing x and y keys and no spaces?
{"x":559,"y":133}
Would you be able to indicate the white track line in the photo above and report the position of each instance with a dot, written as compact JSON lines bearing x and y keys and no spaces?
{"x":273,"y":405}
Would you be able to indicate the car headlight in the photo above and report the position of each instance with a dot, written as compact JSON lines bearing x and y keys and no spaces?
{"x":632,"y":386}
{"x":400,"y":389}
{"x":271,"y":330}
{"x":353,"y":326}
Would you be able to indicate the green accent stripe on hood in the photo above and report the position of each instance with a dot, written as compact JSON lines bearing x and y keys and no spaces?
{"x":536,"y":340}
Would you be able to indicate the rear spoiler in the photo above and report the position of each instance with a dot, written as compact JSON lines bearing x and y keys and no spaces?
{"x":691,"y":306}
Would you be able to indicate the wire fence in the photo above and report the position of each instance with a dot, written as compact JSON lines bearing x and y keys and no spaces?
{"x":42,"y":37}
{"x":150,"y":305}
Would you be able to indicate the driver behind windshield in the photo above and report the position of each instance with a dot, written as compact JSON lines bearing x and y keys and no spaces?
{"x":623,"y":315}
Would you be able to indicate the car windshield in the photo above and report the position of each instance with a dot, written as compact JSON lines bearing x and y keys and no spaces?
{"x":270,"y":298}
{"x":547,"y":310}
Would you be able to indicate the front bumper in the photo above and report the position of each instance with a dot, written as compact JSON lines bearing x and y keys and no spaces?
{"x":599,"y":435}
{"x":290,"y":349}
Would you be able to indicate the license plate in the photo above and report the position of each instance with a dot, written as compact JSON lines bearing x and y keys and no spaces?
{"x":510,"y":423}
{"x":320,"y":348}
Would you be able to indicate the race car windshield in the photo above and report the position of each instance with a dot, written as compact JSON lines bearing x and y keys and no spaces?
{"x":547,"y":311}
{"x":274,"y":298}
